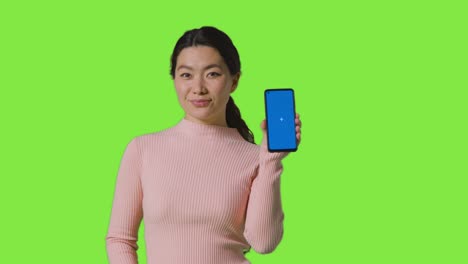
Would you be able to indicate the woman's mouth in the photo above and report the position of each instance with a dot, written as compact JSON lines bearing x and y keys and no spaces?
{"x":200,"y":102}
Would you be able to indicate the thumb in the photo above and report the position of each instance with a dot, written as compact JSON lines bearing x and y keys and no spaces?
{"x":263,"y":126}
{"x":264,"y":132}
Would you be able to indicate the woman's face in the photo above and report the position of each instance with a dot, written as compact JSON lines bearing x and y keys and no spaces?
{"x":203,"y":84}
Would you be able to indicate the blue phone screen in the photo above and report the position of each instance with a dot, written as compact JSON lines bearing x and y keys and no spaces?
{"x":281,"y":127}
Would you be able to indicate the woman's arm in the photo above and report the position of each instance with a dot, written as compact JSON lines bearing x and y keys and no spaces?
{"x":264,"y":219}
{"x":127,"y":212}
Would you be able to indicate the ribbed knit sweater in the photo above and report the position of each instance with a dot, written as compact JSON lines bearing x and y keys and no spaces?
{"x":205,"y":194}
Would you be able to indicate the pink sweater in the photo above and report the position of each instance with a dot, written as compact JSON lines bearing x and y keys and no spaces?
{"x":205,"y":194}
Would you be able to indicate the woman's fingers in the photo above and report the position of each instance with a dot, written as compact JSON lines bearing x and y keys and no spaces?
{"x":298,"y":122}
{"x":298,"y":127}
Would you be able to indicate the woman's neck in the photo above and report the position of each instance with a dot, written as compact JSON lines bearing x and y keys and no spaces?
{"x":215,"y":122}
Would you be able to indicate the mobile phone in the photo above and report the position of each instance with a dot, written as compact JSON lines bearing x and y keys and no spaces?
{"x":280,"y":111}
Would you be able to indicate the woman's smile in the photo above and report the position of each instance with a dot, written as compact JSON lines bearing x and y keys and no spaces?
{"x":200,"y":102}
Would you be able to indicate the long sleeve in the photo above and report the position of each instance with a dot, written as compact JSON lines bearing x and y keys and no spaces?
{"x":127,"y":212}
{"x":264,"y":218}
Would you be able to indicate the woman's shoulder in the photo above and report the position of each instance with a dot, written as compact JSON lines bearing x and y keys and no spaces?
{"x":244,"y":148}
{"x":251,"y":147}
{"x":156,"y":135}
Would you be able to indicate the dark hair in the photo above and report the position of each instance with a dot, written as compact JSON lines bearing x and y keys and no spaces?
{"x":215,"y":38}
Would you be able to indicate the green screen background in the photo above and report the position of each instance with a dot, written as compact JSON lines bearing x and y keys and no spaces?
{"x":379,"y":177}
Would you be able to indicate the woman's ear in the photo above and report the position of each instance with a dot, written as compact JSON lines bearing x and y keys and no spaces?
{"x":235,"y":81}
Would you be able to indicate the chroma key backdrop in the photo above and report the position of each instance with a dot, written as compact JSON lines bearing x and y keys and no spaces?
{"x":380,"y":175}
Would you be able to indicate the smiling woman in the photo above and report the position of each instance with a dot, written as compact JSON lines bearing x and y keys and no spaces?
{"x":204,"y":84}
{"x":206,"y":191}
{"x":198,"y":51}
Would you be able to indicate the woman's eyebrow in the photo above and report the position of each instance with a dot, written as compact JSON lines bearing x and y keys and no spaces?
{"x":207,"y":67}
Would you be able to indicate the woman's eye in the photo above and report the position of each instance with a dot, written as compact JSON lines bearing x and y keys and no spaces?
{"x":214,"y":74}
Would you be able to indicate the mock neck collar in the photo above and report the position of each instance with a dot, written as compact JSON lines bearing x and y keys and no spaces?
{"x":197,"y":129}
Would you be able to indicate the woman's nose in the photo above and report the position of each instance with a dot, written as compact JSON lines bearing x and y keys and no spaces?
{"x":198,"y":86}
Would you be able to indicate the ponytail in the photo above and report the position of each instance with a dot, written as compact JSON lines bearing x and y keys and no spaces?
{"x":234,"y":119}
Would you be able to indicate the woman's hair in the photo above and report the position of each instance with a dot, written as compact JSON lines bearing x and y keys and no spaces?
{"x":217,"y":39}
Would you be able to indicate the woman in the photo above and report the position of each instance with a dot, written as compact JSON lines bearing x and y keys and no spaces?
{"x":206,"y":192}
